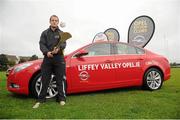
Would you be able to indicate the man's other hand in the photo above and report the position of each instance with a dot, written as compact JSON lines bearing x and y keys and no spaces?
{"x":49,"y":55}
{"x":55,"y":51}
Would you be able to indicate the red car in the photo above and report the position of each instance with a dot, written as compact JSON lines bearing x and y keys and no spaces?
{"x":96,"y":66}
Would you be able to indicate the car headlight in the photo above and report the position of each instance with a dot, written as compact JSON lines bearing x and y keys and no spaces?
{"x":22,"y":66}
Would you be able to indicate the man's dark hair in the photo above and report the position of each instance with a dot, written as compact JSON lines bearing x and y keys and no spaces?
{"x":53,"y":16}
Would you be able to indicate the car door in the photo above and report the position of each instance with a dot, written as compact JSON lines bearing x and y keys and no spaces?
{"x":93,"y":71}
{"x":131,"y":61}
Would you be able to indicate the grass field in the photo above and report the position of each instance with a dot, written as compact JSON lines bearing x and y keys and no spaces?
{"x":123,"y":103}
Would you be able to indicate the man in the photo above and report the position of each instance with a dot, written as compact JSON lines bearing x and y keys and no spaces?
{"x":53,"y":62}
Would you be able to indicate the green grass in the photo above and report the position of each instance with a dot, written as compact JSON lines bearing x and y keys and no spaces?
{"x":123,"y":103}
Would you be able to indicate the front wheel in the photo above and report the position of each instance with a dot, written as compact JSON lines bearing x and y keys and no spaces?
{"x":36,"y":87}
{"x":153,"y":79}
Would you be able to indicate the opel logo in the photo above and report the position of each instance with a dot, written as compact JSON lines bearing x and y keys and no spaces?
{"x":84,"y":75}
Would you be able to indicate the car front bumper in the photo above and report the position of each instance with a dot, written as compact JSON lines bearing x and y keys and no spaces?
{"x":19,"y":82}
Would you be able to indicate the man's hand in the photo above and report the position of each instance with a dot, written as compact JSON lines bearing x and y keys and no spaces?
{"x":49,"y":55}
{"x":55,"y":51}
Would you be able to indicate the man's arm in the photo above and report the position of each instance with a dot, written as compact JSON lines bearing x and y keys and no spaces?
{"x":42,"y":44}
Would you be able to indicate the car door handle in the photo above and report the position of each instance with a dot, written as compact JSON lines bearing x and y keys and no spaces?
{"x":108,"y":61}
{"x":140,"y":59}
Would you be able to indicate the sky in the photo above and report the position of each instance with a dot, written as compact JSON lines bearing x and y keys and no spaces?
{"x":22,"y":22}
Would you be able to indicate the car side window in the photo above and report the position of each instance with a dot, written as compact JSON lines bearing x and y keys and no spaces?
{"x":125,"y":49}
{"x":99,"y":49}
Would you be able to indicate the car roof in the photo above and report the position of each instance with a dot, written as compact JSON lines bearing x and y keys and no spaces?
{"x":115,"y":43}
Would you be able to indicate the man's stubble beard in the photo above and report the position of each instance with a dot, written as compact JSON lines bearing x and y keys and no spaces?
{"x":54,"y":27}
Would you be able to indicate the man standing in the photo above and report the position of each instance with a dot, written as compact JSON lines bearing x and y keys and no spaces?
{"x":53,"y":62}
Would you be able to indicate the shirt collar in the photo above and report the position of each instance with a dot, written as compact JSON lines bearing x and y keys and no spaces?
{"x":57,"y":29}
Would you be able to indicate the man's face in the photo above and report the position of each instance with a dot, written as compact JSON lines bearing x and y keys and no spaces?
{"x":54,"y":22}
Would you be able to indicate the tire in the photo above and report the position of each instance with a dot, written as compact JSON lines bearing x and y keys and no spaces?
{"x":36,"y":86}
{"x":153,"y":79}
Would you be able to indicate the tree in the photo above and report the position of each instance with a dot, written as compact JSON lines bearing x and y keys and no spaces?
{"x":33,"y":57}
{"x":22,"y":60}
{"x":3,"y":62}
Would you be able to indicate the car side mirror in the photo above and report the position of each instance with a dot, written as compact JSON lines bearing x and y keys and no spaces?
{"x":81,"y":53}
